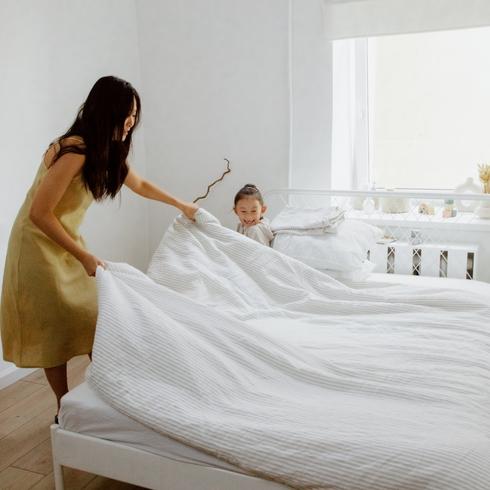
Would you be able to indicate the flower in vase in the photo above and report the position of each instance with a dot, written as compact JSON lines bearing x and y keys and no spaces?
{"x":484,"y":174}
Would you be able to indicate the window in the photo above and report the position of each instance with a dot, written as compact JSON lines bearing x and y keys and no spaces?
{"x":411,"y":110}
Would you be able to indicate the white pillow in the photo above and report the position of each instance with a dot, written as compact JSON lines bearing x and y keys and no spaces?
{"x":344,"y":251}
{"x":305,"y":220}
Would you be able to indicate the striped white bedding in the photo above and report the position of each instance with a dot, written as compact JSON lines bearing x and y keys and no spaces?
{"x":235,"y":349}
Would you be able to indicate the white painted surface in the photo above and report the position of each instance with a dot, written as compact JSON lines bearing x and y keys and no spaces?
{"x":215,"y":74}
{"x":9,"y":373}
{"x":311,"y":96}
{"x":357,"y":18}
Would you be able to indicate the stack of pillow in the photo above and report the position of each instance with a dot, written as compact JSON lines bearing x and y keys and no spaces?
{"x":325,"y":240}
{"x":307,"y":221}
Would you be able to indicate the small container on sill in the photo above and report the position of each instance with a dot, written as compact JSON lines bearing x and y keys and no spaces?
{"x":449,"y":211}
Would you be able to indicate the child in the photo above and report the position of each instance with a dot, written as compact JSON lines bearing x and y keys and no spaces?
{"x":250,"y":208}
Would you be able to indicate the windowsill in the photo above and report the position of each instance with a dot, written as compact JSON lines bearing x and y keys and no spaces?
{"x":463,"y":221}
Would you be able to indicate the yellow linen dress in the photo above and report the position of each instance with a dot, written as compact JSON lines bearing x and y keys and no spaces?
{"x":48,"y":306}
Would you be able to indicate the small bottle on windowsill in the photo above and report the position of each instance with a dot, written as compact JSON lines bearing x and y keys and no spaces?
{"x":449,"y":211}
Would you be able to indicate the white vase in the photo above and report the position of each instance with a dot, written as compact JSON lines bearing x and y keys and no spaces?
{"x":470,"y":187}
{"x":483,"y":210}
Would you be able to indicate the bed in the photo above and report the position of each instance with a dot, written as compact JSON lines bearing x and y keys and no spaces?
{"x":148,"y":447}
{"x":94,"y":437}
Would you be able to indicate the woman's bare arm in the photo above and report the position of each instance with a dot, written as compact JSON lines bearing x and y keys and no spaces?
{"x":149,"y":190}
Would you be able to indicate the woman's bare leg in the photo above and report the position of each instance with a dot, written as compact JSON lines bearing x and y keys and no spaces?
{"x":57,"y":379}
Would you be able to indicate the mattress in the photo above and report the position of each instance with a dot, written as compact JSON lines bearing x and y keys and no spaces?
{"x":84,"y":412}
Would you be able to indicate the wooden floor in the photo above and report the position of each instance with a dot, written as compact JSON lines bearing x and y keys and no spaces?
{"x":27,"y":409}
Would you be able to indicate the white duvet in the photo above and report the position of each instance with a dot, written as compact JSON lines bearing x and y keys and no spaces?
{"x":235,"y":349}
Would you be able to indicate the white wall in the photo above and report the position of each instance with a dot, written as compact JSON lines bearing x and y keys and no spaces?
{"x":215,"y":82}
{"x":311,"y":96}
{"x":51,"y":53}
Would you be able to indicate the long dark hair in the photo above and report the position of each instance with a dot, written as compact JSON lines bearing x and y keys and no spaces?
{"x":100,"y":122}
{"x":251,"y":191}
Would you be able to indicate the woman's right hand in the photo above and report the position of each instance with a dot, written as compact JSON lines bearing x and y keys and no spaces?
{"x":189,"y":209}
{"x":90,"y":263}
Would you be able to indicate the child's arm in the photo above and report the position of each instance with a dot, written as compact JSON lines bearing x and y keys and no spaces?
{"x":149,"y":190}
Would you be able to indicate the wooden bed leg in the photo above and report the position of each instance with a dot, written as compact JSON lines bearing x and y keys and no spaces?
{"x":59,"y":483}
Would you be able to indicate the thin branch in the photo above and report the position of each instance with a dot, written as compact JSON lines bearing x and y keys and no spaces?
{"x":227,"y":171}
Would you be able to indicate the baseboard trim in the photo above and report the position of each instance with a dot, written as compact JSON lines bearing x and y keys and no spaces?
{"x":12,"y":374}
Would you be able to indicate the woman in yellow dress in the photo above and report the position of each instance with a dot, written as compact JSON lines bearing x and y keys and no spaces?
{"x":48,"y":305}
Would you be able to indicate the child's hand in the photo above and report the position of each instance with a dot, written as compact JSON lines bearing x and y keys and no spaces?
{"x":189,"y":209}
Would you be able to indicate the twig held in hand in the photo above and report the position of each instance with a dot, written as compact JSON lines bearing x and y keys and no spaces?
{"x":227,"y":171}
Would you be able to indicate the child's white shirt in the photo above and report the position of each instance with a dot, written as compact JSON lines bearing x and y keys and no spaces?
{"x":261,"y":232}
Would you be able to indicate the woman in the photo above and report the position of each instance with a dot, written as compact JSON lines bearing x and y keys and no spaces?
{"x":49,"y":305}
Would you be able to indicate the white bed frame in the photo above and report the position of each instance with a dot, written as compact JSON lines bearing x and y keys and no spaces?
{"x":131,"y":465}
{"x":125,"y":463}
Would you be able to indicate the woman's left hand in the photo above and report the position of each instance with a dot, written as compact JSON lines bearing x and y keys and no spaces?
{"x":189,"y":209}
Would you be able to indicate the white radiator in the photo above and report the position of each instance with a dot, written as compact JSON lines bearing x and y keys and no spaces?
{"x":432,"y":259}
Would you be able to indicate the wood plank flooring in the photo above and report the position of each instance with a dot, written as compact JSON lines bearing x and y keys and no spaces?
{"x":27,"y":409}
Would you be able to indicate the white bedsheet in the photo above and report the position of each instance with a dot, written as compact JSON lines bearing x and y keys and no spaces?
{"x":382,"y":280}
{"x":240,"y":351}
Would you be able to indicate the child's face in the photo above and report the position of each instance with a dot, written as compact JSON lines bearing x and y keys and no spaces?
{"x":249,"y":211}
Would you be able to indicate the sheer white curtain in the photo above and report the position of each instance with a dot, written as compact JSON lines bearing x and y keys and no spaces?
{"x":350,"y":137}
